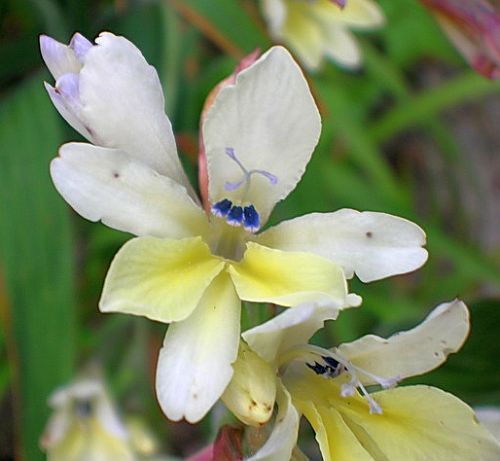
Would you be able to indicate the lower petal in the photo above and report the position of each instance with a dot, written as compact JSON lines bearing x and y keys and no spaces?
{"x":335,"y":439}
{"x":160,"y":279}
{"x":194,"y":366}
{"x":420,"y":422}
{"x":287,"y":278}
{"x":283,"y":438}
{"x":341,"y":45}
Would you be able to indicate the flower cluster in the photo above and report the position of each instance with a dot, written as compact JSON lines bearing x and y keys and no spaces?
{"x":193,"y":261}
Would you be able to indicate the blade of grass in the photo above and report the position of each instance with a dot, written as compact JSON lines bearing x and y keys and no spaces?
{"x":227,"y":24}
{"x":419,"y":109}
{"x":35,"y":247}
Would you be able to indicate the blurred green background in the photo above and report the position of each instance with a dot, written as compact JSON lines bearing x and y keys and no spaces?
{"x":414,"y":133}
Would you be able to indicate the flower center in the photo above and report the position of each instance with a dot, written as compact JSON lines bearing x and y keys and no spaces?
{"x":330,"y":364}
{"x":241,"y":212}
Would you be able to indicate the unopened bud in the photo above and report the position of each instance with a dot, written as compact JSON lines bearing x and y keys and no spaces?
{"x":252,"y":391}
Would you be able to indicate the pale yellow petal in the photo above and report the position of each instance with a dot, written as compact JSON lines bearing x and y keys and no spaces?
{"x":418,"y":422}
{"x":287,"y":278}
{"x":159,"y":278}
{"x":252,"y":391}
{"x":421,"y":422}
{"x":335,"y":439}
{"x":194,"y":366}
{"x":356,"y":13}
{"x":412,"y":352}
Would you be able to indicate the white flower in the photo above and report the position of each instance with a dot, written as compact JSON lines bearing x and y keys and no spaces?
{"x":187,"y":267}
{"x":328,"y":387}
{"x":317,"y":28}
{"x":85,"y":425}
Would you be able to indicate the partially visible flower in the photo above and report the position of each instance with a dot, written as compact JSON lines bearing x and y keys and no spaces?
{"x":314,"y":29}
{"x":192,"y":268}
{"x":85,"y":425}
{"x":490,"y":418}
{"x":331,"y":389}
{"x":474,"y":28}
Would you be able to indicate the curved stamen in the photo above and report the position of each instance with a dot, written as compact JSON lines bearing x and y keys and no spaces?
{"x":334,"y":365}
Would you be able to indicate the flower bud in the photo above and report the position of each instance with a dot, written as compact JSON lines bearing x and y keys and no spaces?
{"x":252,"y":391}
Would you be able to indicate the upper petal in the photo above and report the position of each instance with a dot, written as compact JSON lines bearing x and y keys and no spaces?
{"x":60,"y":59}
{"x":107,"y":185}
{"x":160,"y":279}
{"x":291,"y":327}
{"x":283,"y":438}
{"x":356,"y":13}
{"x":194,"y":366}
{"x":287,"y":278}
{"x":270,"y":121}
{"x":373,"y":245}
{"x":415,"y":351}
{"x":122,"y":102}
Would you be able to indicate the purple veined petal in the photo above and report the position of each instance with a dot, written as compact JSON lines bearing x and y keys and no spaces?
{"x":80,"y":45}
{"x":68,"y":112}
{"x":59,"y":58}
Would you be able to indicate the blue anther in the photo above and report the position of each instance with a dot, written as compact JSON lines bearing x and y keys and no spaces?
{"x":317,"y":368}
{"x":221,"y":208}
{"x":330,"y":361}
{"x":235,"y":216}
{"x":251,"y":219}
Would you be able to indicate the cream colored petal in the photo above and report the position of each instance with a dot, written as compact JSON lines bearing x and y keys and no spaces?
{"x":290,"y":328}
{"x":275,"y":12}
{"x":372,"y":245}
{"x":160,"y":279}
{"x":336,"y":440}
{"x":305,"y":35}
{"x":283,"y":438}
{"x":251,"y":393}
{"x":287,"y":278}
{"x":489,"y":417}
{"x":107,"y":185}
{"x":415,"y":351}
{"x":270,"y":121}
{"x":60,"y":59}
{"x":341,"y":45}
{"x":420,"y":423}
{"x":194,"y":366}
{"x":361,"y":14}
{"x":123,"y":105}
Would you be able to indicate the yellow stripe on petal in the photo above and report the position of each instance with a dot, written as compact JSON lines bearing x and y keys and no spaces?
{"x":418,"y":423}
{"x":287,"y":278}
{"x":335,"y":439}
{"x":160,"y":279}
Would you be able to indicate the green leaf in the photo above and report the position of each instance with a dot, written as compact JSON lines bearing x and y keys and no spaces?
{"x":35,"y":250}
{"x":228,"y":24}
